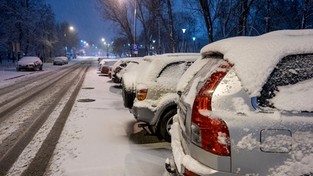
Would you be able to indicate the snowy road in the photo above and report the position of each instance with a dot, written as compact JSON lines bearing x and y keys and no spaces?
{"x":27,"y":105}
{"x":99,"y":137}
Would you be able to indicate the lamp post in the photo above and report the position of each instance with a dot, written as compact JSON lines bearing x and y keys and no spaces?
{"x":183,"y":45}
{"x":70,"y":29}
{"x":135,"y":49}
{"x":194,"y":46}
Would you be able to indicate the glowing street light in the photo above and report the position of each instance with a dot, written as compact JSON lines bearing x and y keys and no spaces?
{"x":71,"y":28}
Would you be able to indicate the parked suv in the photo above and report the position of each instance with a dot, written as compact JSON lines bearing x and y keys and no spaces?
{"x":246,"y":108}
{"x":155,"y":102}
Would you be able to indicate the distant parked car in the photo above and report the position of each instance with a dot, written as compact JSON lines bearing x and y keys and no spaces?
{"x":155,"y":102}
{"x":61,"y":60}
{"x":246,"y":108}
{"x":126,"y":65}
{"x":105,"y":66}
{"x":29,"y":63}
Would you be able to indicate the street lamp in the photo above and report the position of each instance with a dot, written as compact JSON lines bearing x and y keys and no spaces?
{"x":183,"y":47}
{"x":70,"y":29}
{"x":194,"y":46}
{"x":135,"y":50}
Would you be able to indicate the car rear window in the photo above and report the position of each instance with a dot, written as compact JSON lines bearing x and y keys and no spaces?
{"x":289,"y":71}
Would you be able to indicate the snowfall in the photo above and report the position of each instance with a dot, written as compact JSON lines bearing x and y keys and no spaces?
{"x":95,"y":140}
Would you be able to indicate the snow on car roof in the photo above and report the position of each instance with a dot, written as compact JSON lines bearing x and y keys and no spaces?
{"x":254,"y":58}
{"x":30,"y":57}
{"x":159,"y":61}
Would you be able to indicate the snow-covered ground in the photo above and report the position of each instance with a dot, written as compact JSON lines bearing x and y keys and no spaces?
{"x":96,"y":138}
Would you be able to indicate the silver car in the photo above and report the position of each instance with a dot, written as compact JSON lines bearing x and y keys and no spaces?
{"x":246,"y":108}
{"x":61,"y":60}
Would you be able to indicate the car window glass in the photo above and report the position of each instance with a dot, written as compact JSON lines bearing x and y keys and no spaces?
{"x":173,"y":68}
{"x":171,"y":73}
{"x":291,"y":70}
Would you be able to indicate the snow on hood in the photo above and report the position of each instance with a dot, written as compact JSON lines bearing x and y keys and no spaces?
{"x":130,"y":76}
{"x":254,"y":58}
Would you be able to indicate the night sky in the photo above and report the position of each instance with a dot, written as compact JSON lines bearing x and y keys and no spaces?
{"x":84,"y":16}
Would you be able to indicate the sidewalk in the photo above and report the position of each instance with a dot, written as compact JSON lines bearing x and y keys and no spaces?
{"x":95,"y":140}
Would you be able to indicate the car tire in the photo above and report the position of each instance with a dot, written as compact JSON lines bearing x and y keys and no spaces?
{"x":166,"y":124}
{"x":40,"y":68}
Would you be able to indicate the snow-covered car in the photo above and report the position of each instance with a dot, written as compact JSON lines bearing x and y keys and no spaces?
{"x":105,"y":65}
{"x":122,"y":66}
{"x":101,"y":61}
{"x":129,"y":81}
{"x":155,"y":102}
{"x":29,"y":63}
{"x":245,"y":108}
{"x":61,"y":60}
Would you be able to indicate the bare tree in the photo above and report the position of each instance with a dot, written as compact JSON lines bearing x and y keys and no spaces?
{"x":243,"y":17}
{"x":307,"y":13}
{"x":117,"y":12}
{"x":206,"y":11}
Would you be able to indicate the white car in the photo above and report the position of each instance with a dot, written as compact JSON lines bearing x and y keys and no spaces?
{"x":155,"y":102}
{"x":61,"y":60}
{"x":246,"y":108}
{"x":122,"y":66}
{"x":29,"y":63}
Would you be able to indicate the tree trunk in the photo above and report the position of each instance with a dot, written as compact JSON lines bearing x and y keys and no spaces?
{"x":242,"y":24}
{"x":171,"y":26}
{"x":305,"y":14}
{"x":207,"y":18}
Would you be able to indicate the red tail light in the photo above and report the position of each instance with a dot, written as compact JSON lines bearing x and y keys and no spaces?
{"x":211,"y":134}
{"x":189,"y":173}
{"x":117,"y":69}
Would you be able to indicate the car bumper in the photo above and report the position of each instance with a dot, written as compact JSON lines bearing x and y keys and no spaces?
{"x":26,"y":67}
{"x":143,"y":113}
{"x":181,"y":162}
{"x":58,"y":63}
{"x":115,"y":79}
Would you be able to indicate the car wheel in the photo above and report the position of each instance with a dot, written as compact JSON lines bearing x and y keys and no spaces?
{"x":40,"y":68}
{"x":18,"y":69}
{"x":166,"y":124}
